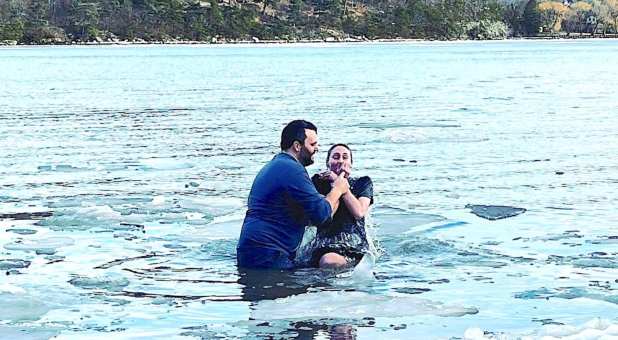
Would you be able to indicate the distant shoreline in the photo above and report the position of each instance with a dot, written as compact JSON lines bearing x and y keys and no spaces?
{"x":224,"y":42}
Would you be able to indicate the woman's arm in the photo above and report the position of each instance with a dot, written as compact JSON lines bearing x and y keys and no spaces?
{"x":358,"y":207}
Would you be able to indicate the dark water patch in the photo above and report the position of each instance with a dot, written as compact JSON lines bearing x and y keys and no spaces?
{"x":126,"y":236}
{"x":439,"y":281}
{"x":60,"y":168}
{"x":592,"y":260}
{"x":560,"y":208}
{"x":411,"y":290}
{"x":604,"y":240}
{"x":545,"y":322}
{"x":491,"y":243}
{"x":566,"y":235}
{"x":506,"y":99}
{"x":494,"y":212}
{"x":219,"y":298}
{"x":566,"y":293}
{"x":27,"y":216}
{"x":22,"y":231}
{"x":54,"y":259}
{"x":128,"y":259}
{"x":536,"y":160}
{"x":146,"y":273}
{"x":6,"y":264}
{"x":8,"y":199}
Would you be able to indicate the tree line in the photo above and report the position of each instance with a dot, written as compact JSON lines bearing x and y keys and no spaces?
{"x":63,"y":21}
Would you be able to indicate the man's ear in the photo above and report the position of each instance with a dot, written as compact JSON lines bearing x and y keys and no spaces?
{"x":297,"y":146}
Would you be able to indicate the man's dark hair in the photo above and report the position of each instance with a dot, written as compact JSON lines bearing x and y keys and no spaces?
{"x":295,"y":131}
{"x":336,"y":145}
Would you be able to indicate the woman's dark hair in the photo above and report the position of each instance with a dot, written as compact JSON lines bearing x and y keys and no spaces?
{"x":295,"y":131}
{"x":336,"y":145}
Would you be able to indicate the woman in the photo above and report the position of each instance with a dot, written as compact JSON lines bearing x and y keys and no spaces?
{"x":343,"y":241}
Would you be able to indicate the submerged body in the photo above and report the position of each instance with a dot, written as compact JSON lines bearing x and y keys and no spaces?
{"x":278,"y":211}
{"x":343,"y":234}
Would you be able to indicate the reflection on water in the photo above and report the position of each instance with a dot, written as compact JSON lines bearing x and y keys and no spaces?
{"x":123,"y":185}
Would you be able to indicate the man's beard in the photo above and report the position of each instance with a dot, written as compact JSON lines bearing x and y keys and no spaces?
{"x":305,"y":157}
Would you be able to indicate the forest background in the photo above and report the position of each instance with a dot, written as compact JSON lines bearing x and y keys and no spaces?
{"x":114,"y":21}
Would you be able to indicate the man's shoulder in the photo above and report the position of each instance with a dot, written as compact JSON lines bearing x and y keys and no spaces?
{"x":284,"y":165}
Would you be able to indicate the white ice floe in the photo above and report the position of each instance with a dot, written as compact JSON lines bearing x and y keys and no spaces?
{"x":11,"y":289}
{"x":48,"y":245}
{"x":165,"y":164}
{"x":212,"y":205}
{"x":595,"y":329}
{"x":109,"y":281}
{"x":363,"y":272}
{"x":21,"y":307}
{"x":406,"y":136}
{"x":352,"y":305}
{"x":158,"y":200}
{"x":83,"y":218}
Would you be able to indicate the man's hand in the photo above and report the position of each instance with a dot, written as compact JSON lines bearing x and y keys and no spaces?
{"x":341,"y":184}
{"x":328,"y":175}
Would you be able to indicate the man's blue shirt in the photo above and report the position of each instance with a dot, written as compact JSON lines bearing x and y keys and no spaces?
{"x":282,"y":201}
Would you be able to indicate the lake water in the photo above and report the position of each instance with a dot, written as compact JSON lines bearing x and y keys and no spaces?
{"x":124,"y":173}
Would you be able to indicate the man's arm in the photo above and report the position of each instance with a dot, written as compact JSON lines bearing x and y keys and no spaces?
{"x":341,"y":187}
{"x":317,"y":207}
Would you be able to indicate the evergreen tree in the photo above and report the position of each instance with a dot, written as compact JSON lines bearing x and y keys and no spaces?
{"x":531,"y":19}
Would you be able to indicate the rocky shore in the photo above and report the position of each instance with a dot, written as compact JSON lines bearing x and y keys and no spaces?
{"x":255,"y":40}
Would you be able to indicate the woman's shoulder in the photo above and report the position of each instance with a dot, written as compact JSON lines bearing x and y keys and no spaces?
{"x":363,"y":180}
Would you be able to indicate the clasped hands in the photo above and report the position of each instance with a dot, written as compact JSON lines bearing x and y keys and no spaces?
{"x":337,"y":182}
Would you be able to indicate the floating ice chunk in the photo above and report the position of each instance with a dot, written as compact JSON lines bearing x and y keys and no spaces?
{"x":191,"y":216}
{"x":59,"y":168}
{"x":22,"y":307}
{"x":11,"y":289}
{"x":398,"y":223}
{"x":474,"y":334}
{"x":158,"y":200}
{"x":27,"y":333}
{"x":22,"y":231}
{"x":363,"y":272}
{"x":99,"y":212}
{"x":213,"y":205}
{"x":164,"y":164}
{"x":47,"y":245}
{"x":595,"y":329}
{"x":494,"y":212}
{"x":111,"y":281}
{"x":406,"y":136}
{"x":13,"y":263}
{"x":83,"y":218}
{"x":344,"y":304}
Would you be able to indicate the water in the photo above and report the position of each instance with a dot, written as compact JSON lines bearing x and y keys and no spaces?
{"x":124,"y":173}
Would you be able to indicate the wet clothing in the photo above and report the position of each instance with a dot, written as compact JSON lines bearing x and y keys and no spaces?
{"x":282,"y":202}
{"x":343,"y":234}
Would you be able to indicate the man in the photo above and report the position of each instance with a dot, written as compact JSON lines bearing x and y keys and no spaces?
{"x":283,"y":201}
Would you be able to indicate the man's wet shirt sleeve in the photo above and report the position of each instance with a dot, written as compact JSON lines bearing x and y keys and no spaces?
{"x":302,"y":190}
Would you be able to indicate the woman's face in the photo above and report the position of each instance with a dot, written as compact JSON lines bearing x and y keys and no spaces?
{"x":340,"y":160}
